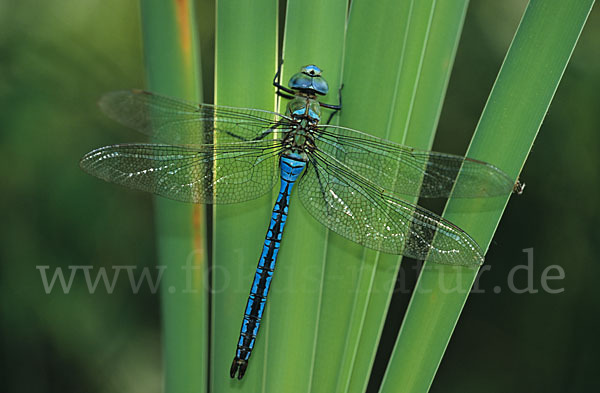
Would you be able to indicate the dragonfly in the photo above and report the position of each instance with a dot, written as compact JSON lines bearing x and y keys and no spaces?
{"x":353,"y":183}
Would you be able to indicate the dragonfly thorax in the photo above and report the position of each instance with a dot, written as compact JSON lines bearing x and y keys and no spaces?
{"x":306,"y":114}
{"x":304,"y":109}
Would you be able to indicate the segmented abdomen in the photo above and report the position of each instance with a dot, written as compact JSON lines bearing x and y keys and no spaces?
{"x":290,"y":171}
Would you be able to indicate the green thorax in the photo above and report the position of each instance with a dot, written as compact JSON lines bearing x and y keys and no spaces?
{"x":304,"y":108}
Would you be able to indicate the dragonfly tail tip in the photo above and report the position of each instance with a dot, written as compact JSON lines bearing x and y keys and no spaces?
{"x":238,"y":364}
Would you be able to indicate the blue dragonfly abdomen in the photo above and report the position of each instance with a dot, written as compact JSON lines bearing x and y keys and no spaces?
{"x":291,"y":167}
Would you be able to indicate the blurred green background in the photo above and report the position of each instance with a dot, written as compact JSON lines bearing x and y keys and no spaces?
{"x":58,"y":56}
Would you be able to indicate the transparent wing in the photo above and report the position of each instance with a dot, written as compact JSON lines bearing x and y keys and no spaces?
{"x":357,"y":209}
{"x":404,"y":170}
{"x":201,"y":174}
{"x":170,"y":120}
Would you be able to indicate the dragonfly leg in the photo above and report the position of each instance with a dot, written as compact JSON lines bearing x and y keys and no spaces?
{"x":336,"y":108}
{"x":277,"y":83}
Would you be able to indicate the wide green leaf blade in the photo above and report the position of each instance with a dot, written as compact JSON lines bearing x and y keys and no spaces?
{"x":508,"y":126}
{"x":396,"y":89}
{"x":245,"y":62}
{"x":172,"y":68}
{"x":314,"y":34}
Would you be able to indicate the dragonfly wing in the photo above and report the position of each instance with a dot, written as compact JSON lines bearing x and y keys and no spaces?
{"x":404,"y":170}
{"x":200,"y":174}
{"x":170,"y":120}
{"x":359,"y":210}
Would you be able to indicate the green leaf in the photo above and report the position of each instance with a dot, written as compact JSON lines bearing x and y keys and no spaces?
{"x":506,"y":131}
{"x":395,"y":89}
{"x":172,"y":68}
{"x":314,"y":34}
{"x":329,"y":297}
{"x":245,"y":63}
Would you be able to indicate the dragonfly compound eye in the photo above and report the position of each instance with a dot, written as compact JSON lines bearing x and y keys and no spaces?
{"x":311,"y":70}
{"x":309,"y":80}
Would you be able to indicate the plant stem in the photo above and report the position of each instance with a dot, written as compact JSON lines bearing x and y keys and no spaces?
{"x":506,"y":131}
{"x":173,"y":68}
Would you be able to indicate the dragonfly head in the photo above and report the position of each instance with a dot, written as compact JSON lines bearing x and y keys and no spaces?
{"x":309,"y":80}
